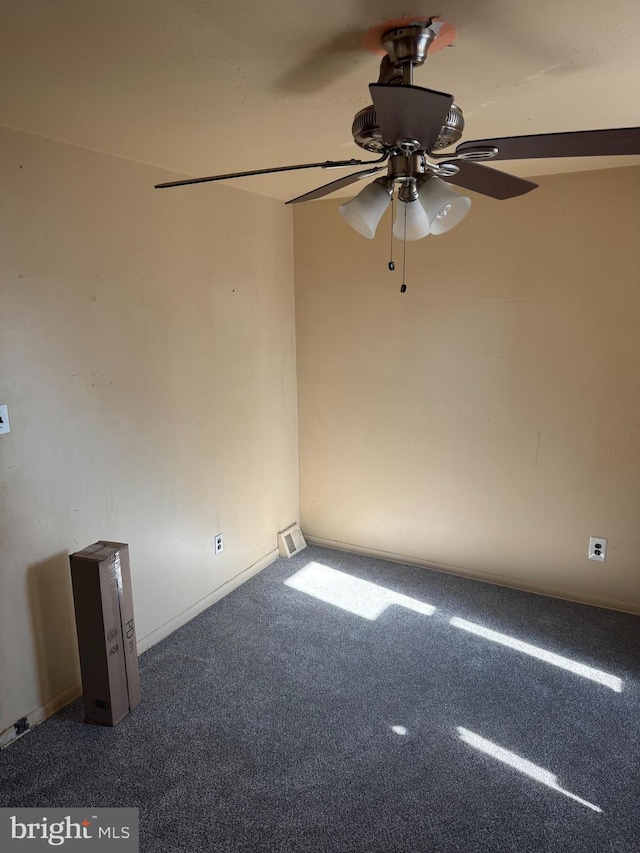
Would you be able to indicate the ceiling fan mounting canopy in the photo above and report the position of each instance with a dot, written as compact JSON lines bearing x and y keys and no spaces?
{"x":409,"y":45}
{"x":444,"y":33}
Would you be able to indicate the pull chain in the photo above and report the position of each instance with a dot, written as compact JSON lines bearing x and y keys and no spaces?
{"x":392,"y":266}
{"x":403,"y":286}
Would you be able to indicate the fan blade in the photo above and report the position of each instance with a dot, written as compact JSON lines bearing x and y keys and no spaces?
{"x":326,"y":189}
{"x":410,"y":112}
{"x":328,"y":164}
{"x":579,"y":143}
{"x":491,"y":182}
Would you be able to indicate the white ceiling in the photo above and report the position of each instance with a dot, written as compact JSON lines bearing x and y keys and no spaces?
{"x":200,"y":87}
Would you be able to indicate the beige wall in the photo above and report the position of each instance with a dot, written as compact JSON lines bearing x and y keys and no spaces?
{"x":147,"y":356}
{"x":488,"y":420}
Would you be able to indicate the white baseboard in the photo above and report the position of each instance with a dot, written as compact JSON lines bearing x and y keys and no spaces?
{"x":461,"y":571}
{"x":187,"y":615}
{"x":40,"y":714}
{"x":55,"y":704}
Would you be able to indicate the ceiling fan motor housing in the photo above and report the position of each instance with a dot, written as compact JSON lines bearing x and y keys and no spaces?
{"x":366,"y":131}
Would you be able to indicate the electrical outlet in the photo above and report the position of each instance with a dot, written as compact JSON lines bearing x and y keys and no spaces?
{"x":597,"y":548}
{"x":4,"y":419}
{"x":21,"y":726}
{"x":219,"y":544}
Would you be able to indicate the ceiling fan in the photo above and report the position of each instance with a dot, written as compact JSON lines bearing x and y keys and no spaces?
{"x":408,"y":126}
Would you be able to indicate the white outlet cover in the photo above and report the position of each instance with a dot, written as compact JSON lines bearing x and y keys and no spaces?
{"x":597,"y":548}
{"x":4,"y":419}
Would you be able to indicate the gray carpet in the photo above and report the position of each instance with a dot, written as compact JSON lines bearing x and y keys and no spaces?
{"x":277,"y":721}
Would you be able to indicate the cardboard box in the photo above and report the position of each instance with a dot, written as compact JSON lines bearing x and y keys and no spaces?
{"x":101,"y":580}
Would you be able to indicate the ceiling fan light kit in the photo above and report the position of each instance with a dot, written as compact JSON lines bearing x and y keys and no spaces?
{"x":408,"y":127}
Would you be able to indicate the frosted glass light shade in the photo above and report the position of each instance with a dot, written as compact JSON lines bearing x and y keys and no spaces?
{"x":444,"y":207}
{"x":417,"y":221}
{"x":364,"y":212}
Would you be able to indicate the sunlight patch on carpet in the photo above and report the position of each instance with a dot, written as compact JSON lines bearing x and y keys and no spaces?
{"x":582,"y":669}
{"x":365,"y":599}
{"x":523,"y":765}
